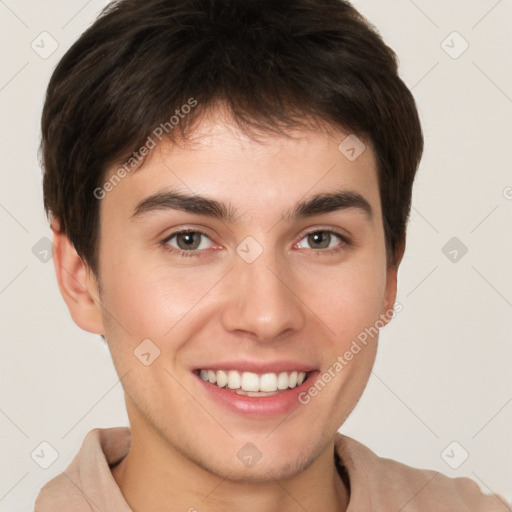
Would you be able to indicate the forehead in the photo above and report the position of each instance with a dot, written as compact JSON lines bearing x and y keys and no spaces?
{"x":253,"y":174}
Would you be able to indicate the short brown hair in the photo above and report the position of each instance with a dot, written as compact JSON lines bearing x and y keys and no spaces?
{"x":275,"y":64}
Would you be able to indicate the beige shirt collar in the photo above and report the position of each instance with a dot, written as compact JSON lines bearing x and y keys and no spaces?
{"x":376,"y":484}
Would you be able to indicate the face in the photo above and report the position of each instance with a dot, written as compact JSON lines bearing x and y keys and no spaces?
{"x":256,"y":295}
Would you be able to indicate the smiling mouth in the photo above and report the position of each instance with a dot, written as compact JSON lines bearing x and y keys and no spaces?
{"x":253,"y":384}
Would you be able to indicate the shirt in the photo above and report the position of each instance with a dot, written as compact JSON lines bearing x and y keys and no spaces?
{"x":375,"y":483}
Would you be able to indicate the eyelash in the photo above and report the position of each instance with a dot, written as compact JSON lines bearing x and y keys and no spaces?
{"x":200,"y":252}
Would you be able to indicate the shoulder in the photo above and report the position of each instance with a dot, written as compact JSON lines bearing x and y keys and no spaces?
{"x":60,"y":493}
{"x":377,"y":482}
{"x":88,"y":477}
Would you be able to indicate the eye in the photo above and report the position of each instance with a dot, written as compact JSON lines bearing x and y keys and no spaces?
{"x":188,"y":243}
{"x":326,"y":239}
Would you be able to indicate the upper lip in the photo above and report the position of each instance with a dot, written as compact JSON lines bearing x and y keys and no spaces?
{"x":258,"y":366}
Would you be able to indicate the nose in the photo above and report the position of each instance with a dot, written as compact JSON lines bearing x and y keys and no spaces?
{"x":262,"y":300}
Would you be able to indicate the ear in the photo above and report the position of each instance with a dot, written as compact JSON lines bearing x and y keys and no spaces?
{"x":391,"y":283}
{"x":77,"y":283}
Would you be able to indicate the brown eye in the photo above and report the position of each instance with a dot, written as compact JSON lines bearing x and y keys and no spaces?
{"x":319,"y":239}
{"x":183,"y":242}
{"x":325,"y":241}
{"x":188,"y":240}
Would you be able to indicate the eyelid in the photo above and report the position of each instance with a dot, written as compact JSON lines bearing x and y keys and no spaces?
{"x":345,"y":240}
{"x":336,"y":230}
{"x":187,"y":230}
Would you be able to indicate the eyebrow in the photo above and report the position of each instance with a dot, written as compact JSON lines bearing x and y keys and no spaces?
{"x":322,"y":203}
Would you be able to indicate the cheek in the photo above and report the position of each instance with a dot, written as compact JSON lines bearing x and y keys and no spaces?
{"x":149,"y":298}
{"x":347,"y":298}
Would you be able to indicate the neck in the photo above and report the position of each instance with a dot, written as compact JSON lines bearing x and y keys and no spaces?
{"x":156,"y":476}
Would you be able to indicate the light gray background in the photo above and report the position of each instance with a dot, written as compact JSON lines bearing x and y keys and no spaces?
{"x":443,"y":372}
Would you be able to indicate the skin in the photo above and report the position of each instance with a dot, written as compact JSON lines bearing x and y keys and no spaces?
{"x":290,"y":303}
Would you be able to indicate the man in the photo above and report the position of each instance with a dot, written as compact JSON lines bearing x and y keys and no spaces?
{"x":229,"y":184}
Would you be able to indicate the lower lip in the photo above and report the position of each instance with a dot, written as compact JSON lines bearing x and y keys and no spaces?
{"x":258,"y":407}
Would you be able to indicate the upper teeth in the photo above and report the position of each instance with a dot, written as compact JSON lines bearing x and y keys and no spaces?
{"x":249,"y":381}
